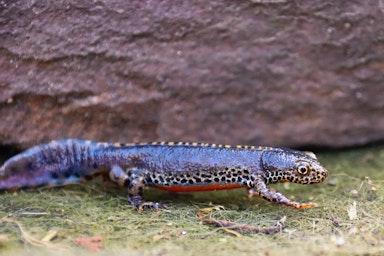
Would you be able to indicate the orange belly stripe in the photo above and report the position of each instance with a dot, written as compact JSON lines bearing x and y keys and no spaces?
{"x":197,"y":188}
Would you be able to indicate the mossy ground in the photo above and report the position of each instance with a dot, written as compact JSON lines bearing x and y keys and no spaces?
{"x":355,"y":185}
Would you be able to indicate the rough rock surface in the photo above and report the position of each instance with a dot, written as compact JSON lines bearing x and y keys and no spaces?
{"x":289,"y":73}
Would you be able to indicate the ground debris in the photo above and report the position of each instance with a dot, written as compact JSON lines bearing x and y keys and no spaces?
{"x":334,"y":220}
{"x":352,"y":211}
{"x":92,"y":244}
{"x":233,"y":227}
{"x":30,"y":239}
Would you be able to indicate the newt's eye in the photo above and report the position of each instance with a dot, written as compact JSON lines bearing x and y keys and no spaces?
{"x":302,"y":169}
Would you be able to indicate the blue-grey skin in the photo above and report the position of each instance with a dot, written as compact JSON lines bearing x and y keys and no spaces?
{"x":178,"y":167}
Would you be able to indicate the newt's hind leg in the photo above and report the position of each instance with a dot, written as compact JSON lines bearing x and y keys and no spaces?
{"x":135,"y":182}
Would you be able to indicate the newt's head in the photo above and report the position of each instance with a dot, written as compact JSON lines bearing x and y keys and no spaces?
{"x":287,"y":165}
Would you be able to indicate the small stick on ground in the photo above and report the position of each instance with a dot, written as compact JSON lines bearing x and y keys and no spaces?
{"x":204,"y":216}
{"x":30,"y":239}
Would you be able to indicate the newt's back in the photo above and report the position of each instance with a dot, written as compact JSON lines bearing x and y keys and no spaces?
{"x":71,"y":161}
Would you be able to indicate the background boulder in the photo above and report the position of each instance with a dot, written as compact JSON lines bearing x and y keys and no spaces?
{"x":287,"y":73}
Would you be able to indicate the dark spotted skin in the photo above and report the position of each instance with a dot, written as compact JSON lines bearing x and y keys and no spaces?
{"x":177,"y":167}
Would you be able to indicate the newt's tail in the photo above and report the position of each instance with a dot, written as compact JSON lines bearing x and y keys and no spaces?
{"x":54,"y":164}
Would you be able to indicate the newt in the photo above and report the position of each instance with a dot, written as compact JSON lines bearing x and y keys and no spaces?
{"x":172,"y":166}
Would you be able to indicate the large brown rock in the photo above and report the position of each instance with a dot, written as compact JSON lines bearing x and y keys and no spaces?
{"x":290,"y":73}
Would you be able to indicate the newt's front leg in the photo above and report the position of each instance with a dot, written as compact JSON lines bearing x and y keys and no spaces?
{"x":261,"y":190}
{"x":135,"y":182}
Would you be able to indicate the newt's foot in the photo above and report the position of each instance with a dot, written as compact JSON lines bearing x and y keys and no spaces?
{"x":152,"y":205}
{"x":140,"y":204}
{"x":303,"y":205}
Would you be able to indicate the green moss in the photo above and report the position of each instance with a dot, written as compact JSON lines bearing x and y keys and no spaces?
{"x":356,"y":178}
